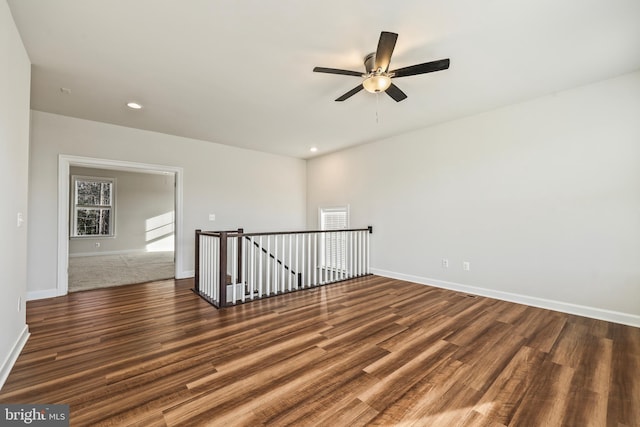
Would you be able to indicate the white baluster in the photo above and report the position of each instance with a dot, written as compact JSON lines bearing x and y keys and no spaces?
{"x":301,"y":266}
{"x":281,"y":274}
{"x":260,"y":256}
{"x":208,"y":265}
{"x":297,"y":270}
{"x":203,"y":264}
{"x":204,"y":260}
{"x":357,"y":237}
{"x":368,"y":254}
{"x":336,"y":265}
{"x":361,"y":252}
{"x":216,"y":265}
{"x":212,"y":266}
{"x":289,"y":261}
{"x":351,"y":254}
{"x":322,"y":259}
{"x":252,"y":268}
{"x":303,"y":256}
{"x":215,"y":262}
{"x":343,"y":254}
{"x":332,"y":260}
{"x":315,"y":259}
{"x":334,"y":256}
{"x":243,"y":269}
{"x":308,"y":275}
{"x":268,"y":260}
{"x":276,"y":270}
{"x":327,"y":258}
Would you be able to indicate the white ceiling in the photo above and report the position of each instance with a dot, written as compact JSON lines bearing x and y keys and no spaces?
{"x":238,"y":72}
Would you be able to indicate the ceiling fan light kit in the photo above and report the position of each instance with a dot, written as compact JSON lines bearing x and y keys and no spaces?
{"x":376,"y":83}
{"x":377,"y":77}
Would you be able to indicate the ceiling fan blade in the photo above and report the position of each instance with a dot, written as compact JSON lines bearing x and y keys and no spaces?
{"x":337,"y":71}
{"x":394,"y":92}
{"x":386,"y":44}
{"x":427,"y":67}
{"x":350,"y":93}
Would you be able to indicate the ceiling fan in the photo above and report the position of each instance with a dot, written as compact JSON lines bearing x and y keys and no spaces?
{"x":377,"y":77}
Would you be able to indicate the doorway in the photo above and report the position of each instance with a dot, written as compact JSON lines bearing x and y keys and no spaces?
{"x":121,"y":227}
{"x":156,"y":233}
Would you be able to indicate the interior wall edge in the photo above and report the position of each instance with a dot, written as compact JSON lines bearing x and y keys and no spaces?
{"x":42,"y":294}
{"x":11,"y":358}
{"x":186,"y":274}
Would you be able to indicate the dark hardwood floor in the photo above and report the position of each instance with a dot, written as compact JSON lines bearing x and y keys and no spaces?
{"x":370,"y":351}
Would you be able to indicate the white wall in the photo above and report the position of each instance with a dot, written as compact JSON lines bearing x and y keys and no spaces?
{"x":144,"y":212}
{"x":15,"y":72}
{"x":542,"y":198}
{"x":243,"y":188}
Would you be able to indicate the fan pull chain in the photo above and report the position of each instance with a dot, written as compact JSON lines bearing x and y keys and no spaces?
{"x":377,"y":105}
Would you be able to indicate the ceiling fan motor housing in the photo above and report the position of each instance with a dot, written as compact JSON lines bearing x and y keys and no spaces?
{"x":369,"y":62}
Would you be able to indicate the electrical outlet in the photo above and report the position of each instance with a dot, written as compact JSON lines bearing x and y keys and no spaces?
{"x":466,"y":266}
{"x":97,"y":244}
{"x":445,"y":263}
{"x":212,"y":217}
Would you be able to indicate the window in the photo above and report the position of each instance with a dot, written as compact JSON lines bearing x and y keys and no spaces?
{"x":333,"y":251}
{"x":93,"y":213}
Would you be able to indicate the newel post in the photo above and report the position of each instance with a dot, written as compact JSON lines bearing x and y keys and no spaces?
{"x":368,"y":249}
{"x":196,"y":276}
{"x":240,"y":239}
{"x":223,"y":269}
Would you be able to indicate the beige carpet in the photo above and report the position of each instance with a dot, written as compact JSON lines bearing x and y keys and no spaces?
{"x":103,"y":271}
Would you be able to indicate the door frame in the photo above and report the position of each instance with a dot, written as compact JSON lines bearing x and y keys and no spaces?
{"x":64,"y":164}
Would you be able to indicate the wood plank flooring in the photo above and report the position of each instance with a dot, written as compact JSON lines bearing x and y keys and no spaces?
{"x":371,"y":351}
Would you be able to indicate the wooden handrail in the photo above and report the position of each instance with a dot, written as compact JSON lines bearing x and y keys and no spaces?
{"x":235,"y":233}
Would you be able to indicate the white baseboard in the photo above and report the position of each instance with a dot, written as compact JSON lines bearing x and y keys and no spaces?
{"x":8,"y":363}
{"x":42,"y":294}
{"x":579,"y":310}
{"x":51,"y":293}
{"x":124,"y":252}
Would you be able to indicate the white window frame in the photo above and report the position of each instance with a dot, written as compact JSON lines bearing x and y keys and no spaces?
{"x":341,"y":263}
{"x":75,"y":206}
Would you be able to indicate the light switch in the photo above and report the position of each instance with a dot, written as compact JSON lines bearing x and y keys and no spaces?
{"x":20,"y":219}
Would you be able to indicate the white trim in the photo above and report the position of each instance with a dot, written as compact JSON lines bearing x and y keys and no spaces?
{"x":62,"y":282}
{"x":8,"y":363}
{"x":42,"y":294}
{"x":124,"y":252}
{"x":565,"y":307}
{"x":64,"y":164}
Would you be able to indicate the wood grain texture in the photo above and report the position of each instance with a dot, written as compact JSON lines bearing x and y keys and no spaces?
{"x":370,"y":351}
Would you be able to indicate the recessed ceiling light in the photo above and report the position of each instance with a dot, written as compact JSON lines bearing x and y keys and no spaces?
{"x":313,"y":149}
{"x":134,"y":105}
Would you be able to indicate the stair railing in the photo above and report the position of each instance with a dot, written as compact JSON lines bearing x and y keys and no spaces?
{"x":228,"y":272}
